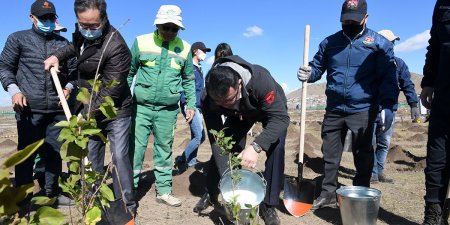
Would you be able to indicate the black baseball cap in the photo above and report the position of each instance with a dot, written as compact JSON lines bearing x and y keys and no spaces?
{"x":42,"y":7}
{"x":354,"y":10}
{"x":201,"y":46}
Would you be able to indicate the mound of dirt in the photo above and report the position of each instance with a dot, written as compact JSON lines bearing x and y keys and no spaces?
{"x":418,"y":138}
{"x":397,"y":153}
{"x":420,"y":165}
{"x":418,"y":128}
{"x":313,"y":140}
{"x":8,"y":143}
{"x":396,"y":135}
{"x":313,"y":125}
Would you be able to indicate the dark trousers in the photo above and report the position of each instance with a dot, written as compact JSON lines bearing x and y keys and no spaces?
{"x":117,"y":132}
{"x":274,"y":166}
{"x":438,"y":155}
{"x":32,"y":127}
{"x":334,"y":130}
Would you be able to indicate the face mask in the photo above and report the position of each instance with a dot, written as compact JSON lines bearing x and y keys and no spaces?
{"x":351,"y":30}
{"x":46,"y":26}
{"x":201,"y":56}
{"x":90,"y":34}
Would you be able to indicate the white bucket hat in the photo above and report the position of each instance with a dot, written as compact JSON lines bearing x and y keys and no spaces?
{"x":169,"y":14}
{"x":388,"y":34}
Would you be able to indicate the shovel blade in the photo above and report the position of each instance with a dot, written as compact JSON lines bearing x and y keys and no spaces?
{"x":298,"y":196}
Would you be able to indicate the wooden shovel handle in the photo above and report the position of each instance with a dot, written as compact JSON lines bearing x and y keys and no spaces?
{"x":303,"y":101}
{"x":61,"y":96}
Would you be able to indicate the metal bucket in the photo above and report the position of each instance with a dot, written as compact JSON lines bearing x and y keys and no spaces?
{"x":358,"y":205}
{"x":249,"y":189}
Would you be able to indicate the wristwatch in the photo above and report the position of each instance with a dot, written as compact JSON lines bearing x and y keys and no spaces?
{"x":256,"y":147}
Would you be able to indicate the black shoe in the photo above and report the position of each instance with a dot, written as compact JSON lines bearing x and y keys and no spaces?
{"x":322,"y":202}
{"x":433,"y":214}
{"x":180,"y":166}
{"x":269,"y":214}
{"x":202,"y":204}
{"x":383,"y":179}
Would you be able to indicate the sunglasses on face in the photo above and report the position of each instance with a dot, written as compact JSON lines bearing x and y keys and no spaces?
{"x":170,"y":28}
{"x":47,"y":17}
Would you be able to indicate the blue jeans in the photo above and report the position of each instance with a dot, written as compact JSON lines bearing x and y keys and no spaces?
{"x":117,"y":131}
{"x":382,"y":141}
{"x":197,"y":137}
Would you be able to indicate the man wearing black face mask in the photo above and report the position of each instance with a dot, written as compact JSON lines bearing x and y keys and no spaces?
{"x":34,"y":97}
{"x":361,"y":81}
{"x":94,"y":39}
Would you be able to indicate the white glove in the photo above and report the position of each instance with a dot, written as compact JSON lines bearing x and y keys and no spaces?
{"x":304,"y":72}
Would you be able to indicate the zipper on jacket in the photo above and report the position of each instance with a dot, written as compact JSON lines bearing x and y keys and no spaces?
{"x":346,"y":74}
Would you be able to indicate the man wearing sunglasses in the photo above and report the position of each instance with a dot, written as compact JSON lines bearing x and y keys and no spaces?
{"x":34,"y":97}
{"x":246,"y":93}
{"x":94,"y":39}
{"x":162,"y":67}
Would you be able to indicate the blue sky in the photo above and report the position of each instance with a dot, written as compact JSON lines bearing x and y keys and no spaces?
{"x":268,"y":33}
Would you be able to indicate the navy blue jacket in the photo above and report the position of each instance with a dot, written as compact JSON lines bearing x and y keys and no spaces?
{"x":199,"y":86}
{"x":436,"y":72}
{"x":405,"y":83}
{"x":360,"y":72}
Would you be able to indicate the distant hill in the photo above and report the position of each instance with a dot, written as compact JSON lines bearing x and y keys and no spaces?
{"x":316,"y":90}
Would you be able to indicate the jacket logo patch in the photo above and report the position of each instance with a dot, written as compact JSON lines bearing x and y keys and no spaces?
{"x":368,"y":40}
{"x":352,"y":4}
{"x":270,"y":97}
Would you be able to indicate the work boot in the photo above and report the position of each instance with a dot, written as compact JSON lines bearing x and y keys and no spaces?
{"x":433,"y":214}
{"x":374,"y":179}
{"x":180,"y":166}
{"x":322,"y":202}
{"x":202,"y":204}
{"x":383,"y":179}
{"x":168,"y":199}
{"x":269,"y":214}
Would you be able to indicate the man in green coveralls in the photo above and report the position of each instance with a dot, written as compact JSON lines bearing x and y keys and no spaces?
{"x":162,"y":64}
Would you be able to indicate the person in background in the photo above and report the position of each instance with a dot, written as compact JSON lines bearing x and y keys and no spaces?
{"x":89,"y":44}
{"x":34,"y":96}
{"x":361,"y":82}
{"x":222,"y":50}
{"x":246,"y":93}
{"x":435,"y":96}
{"x":189,"y":156}
{"x":163,"y":66}
{"x":382,"y":140}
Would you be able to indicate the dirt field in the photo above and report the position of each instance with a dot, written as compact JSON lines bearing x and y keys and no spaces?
{"x":401,"y":203}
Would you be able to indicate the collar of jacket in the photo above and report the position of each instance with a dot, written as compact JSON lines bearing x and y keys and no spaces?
{"x":160,"y":38}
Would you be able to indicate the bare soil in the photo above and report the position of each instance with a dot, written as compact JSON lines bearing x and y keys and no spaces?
{"x":401,"y":203}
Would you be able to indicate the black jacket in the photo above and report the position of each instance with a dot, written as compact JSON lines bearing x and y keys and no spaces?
{"x":437,"y":67}
{"x":115,"y":65}
{"x":262,"y":101}
{"x":22,"y":63}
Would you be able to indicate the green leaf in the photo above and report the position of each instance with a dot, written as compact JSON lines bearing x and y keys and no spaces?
{"x":82,"y":142}
{"x":108,"y":100}
{"x":23,"y":154}
{"x":62,"y":124}
{"x":66,"y":134}
{"x":91,"y":132}
{"x":74,"y":167}
{"x":93,"y":216}
{"x":96,"y":87}
{"x":43,"y":200}
{"x":107,"y":192}
{"x":83,"y":95}
{"x":112,"y":83}
{"x":48,"y":215}
{"x":108,"y":110}
{"x":22,"y":191}
{"x":101,"y":136}
{"x":71,"y":152}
